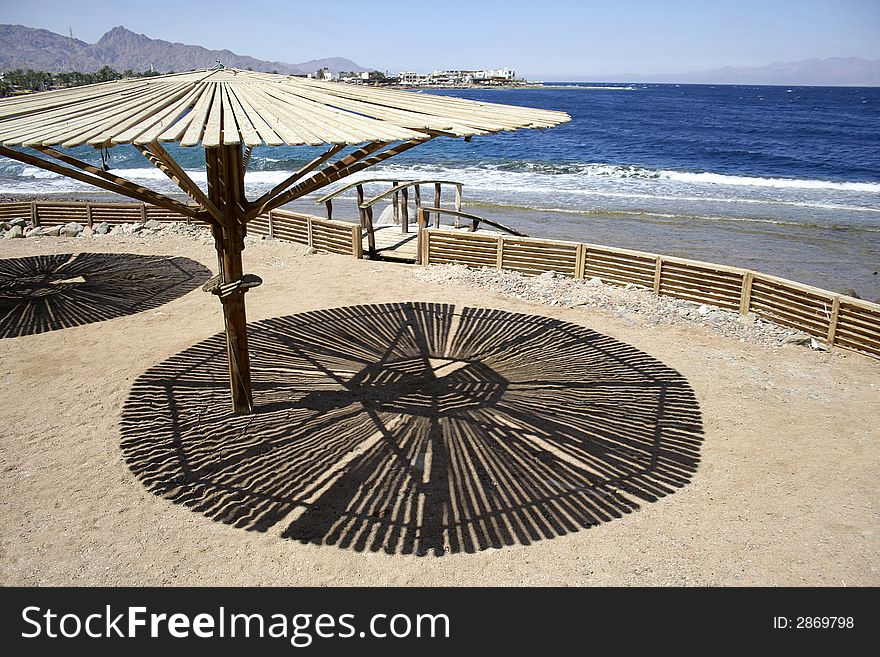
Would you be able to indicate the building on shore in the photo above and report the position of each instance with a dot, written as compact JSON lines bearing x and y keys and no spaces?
{"x":452,"y":78}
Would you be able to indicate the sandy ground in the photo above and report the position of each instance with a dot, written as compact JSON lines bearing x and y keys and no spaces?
{"x":786,"y":492}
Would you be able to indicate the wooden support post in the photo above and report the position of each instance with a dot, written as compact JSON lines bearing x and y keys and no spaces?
{"x":360,"y":199}
{"x":226,"y":190}
{"x":396,"y":204}
{"x":357,"y":243}
{"x":270,"y":220}
{"x":499,"y":253}
{"x":35,"y":215}
{"x":371,"y":233}
{"x":580,"y":261}
{"x":457,"y":203}
{"x":425,"y":258}
{"x":658,"y":274}
{"x":143,"y":213}
{"x":418,"y":198}
{"x":832,"y":322}
{"x":745,"y":299}
{"x":89,"y":214}
{"x":437,"y":192}
{"x":423,"y":224}
{"x":404,"y":211}
{"x":329,"y":205}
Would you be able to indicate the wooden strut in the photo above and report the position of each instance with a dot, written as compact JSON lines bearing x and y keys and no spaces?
{"x":94,"y":176}
{"x":223,"y":165}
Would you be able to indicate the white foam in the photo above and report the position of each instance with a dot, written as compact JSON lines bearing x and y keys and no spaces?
{"x":779,"y":183}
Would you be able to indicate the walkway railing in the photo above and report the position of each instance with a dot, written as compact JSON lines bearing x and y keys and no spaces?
{"x":399,"y":193}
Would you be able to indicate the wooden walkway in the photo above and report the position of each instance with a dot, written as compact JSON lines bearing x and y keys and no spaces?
{"x":391,"y":244}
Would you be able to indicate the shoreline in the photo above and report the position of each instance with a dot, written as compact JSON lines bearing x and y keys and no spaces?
{"x":761,"y":246}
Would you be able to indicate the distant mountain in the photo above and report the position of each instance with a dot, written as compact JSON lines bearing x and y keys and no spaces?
{"x":831,"y":72}
{"x":26,"y":47}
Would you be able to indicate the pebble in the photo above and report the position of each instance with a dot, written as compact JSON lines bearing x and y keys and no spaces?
{"x":71,"y":229}
{"x":635,"y":305}
{"x":12,"y":233}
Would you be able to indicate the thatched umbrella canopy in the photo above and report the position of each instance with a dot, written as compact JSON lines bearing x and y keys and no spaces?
{"x":228,"y":112}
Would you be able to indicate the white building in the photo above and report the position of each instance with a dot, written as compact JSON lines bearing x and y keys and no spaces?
{"x":456,"y":77}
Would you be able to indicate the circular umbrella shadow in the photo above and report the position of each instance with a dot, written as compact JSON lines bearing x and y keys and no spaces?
{"x":51,"y":292}
{"x":415,"y":428}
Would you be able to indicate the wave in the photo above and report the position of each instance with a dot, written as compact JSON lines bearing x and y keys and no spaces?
{"x":627,"y":171}
{"x":673,"y":216}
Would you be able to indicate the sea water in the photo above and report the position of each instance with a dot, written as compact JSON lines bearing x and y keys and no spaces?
{"x":784,"y":180}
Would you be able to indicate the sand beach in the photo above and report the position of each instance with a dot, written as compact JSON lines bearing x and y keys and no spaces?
{"x":783,"y":488}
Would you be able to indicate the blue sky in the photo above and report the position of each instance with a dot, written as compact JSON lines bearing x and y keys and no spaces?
{"x":539,"y":39}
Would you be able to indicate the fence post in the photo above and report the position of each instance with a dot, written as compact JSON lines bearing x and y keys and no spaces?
{"x":309,"y":229}
{"x":271,"y":224}
{"x":329,"y":205}
{"x":89,"y":214}
{"x":745,"y":298}
{"x":832,"y":323}
{"x":143,"y":213}
{"x":426,"y":248}
{"x":580,"y":261}
{"x":499,"y":253}
{"x":35,"y":216}
{"x":357,"y":245}
{"x":658,"y":272}
{"x":457,"y":205}
{"x":423,"y":224}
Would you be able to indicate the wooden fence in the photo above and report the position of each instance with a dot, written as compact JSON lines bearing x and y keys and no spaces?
{"x":838,"y":320}
{"x":834,"y":318}
{"x":327,"y":235}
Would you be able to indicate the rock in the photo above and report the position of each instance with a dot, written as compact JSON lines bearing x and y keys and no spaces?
{"x":87,"y":232}
{"x":54,"y":231}
{"x":849,"y":292}
{"x":548,"y":275}
{"x":18,"y":222}
{"x":748,"y":318}
{"x":136,"y":228}
{"x":703,"y":309}
{"x":594,"y":282}
{"x":12,"y":233}
{"x":102,"y":229}
{"x":4,"y":226}
{"x":797,"y":338}
{"x":311,"y":251}
{"x":34,"y":232}
{"x":152,"y":224}
{"x":71,"y":230}
{"x":815,"y":345}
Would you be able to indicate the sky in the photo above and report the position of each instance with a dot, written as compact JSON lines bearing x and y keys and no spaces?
{"x":551,"y":40}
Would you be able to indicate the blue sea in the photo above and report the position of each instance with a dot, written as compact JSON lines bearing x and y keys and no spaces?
{"x":784,"y":180}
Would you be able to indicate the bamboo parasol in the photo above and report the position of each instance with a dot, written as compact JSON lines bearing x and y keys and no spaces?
{"x":228,"y":112}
